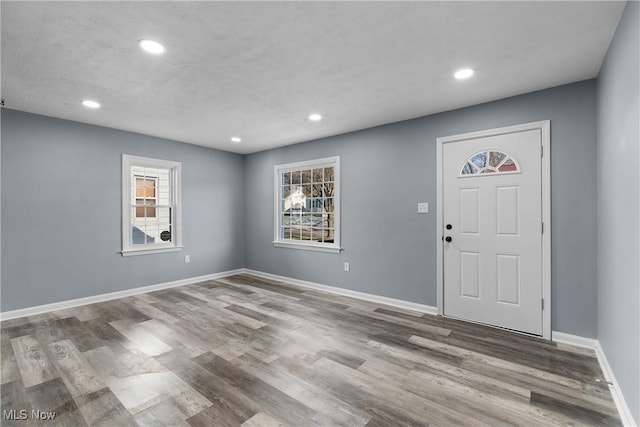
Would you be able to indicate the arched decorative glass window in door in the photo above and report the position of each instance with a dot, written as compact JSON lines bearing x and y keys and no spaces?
{"x":489,"y":162}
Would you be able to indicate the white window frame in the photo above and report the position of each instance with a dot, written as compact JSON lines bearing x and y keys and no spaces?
{"x":307,"y":245}
{"x":128,"y":248}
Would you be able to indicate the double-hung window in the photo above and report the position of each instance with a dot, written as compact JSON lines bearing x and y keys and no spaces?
{"x":307,"y":205}
{"x":150,"y":205}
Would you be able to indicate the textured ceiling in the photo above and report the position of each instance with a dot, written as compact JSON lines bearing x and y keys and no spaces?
{"x":258,"y":69}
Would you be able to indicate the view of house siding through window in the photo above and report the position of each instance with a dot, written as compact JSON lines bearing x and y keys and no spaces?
{"x":307,"y":205}
{"x":150,"y":205}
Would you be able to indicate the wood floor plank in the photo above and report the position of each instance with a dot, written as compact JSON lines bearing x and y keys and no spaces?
{"x":247,"y":351}
{"x":79,"y":377}
{"x":229,"y":406}
{"x":33,"y":363}
{"x":579,"y":414}
{"x":162,"y":414}
{"x":341,"y":413}
{"x":404,"y":322}
{"x":9,"y":371}
{"x":289,"y":409}
{"x":102,"y":408}
{"x":478,"y":380}
{"x":387,"y":401}
{"x":54,"y":397}
{"x":471,"y":356}
{"x":261,"y":419}
{"x":148,"y":309}
{"x":140,"y":338}
{"x":175,"y":332}
{"x":14,"y":400}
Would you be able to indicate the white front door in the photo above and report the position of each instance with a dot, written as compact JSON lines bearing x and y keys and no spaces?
{"x":492,"y":230}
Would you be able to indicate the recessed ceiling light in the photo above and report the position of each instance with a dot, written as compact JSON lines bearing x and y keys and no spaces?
{"x":315,"y":117}
{"x":90,"y":104}
{"x":465,"y":73}
{"x":151,"y":46}
{"x":236,"y":139}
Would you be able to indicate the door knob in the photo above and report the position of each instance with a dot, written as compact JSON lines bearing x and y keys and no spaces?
{"x":449,"y":226}
{"x":448,"y":239}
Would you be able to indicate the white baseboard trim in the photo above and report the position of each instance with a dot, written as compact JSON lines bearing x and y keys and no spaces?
{"x":575,"y":340}
{"x":616,"y":392}
{"x":348,"y":293}
{"x":614,"y":387}
{"x":30,"y":311}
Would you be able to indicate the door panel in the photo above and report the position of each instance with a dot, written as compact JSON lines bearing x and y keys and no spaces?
{"x":493,"y":263}
{"x":508,"y":278}
{"x":469,"y":274}
{"x":507,"y":211}
{"x":469,"y":210}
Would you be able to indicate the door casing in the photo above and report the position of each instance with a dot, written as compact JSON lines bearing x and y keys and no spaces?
{"x":545,"y":132}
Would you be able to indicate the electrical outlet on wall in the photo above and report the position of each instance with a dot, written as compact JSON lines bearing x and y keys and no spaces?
{"x":347,"y":267}
{"x":187,"y":259}
{"x":423,"y":207}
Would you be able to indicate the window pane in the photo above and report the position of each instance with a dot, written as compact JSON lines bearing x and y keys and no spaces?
{"x":286,"y":191}
{"x":150,"y":191}
{"x":328,"y":189}
{"x":145,"y":187}
{"x":139,"y":188}
{"x":295,"y":177}
{"x":286,"y":178}
{"x":315,"y":205}
{"x":508,"y":166}
{"x":316,"y":234}
{"x":318,"y":175}
{"x":305,"y":233}
{"x":306,"y":176}
{"x":328,"y":204}
{"x":328,"y":174}
{"x":315,"y":220}
{"x":480,"y":160}
{"x":329,"y":220}
{"x":145,"y":212}
{"x":495,"y":157}
{"x":306,"y":190}
{"x":164,"y":215}
{"x":295,"y":233}
{"x":467,"y":169}
{"x":140,"y":235}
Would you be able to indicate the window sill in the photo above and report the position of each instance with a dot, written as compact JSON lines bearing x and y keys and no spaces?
{"x":133,"y":252}
{"x":307,"y":247}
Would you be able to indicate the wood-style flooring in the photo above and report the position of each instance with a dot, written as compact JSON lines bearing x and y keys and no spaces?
{"x":248,"y":351}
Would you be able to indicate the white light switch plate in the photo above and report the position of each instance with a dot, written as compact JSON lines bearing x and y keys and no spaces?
{"x":423,"y":207}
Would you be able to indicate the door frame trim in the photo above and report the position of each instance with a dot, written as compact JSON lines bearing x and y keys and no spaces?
{"x":545,"y":133}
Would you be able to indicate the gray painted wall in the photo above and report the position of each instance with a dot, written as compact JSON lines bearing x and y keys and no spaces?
{"x":73,"y":173}
{"x":618,"y":91}
{"x":388,"y":169}
{"x":61,"y":211}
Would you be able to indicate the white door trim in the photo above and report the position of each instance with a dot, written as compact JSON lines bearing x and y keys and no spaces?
{"x":545,"y":132}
